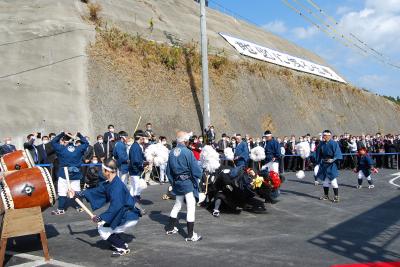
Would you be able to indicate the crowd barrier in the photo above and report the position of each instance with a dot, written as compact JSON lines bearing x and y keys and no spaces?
{"x":396,"y":154}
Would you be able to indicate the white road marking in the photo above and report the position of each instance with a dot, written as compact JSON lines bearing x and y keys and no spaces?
{"x":394,"y":179}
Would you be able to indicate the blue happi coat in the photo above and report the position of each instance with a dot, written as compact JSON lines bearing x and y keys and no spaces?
{"x":272,"y":150}
{"x":242,"y":154}
{"x":136,"y":160}
{"x":121,"y":156}
{"x":122,"y":204}
{"x":183,"y":171}
{"x":328,"y":150}
{"x":364,"y":164}
{"x":69,"y":156}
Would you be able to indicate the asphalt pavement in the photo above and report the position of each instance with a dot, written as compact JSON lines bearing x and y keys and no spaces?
{"x":299,"y":230}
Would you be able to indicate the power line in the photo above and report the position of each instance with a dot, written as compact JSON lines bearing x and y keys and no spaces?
{"x":328,"y":26}
{"x":40,"y":67}
{"x":234,"y":14}
{"x":376,"y":53}
{"x":44,"y":36}
{"x":343,"y":40}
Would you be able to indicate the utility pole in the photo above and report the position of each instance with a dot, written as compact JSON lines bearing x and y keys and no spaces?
{"x":204,"y":65}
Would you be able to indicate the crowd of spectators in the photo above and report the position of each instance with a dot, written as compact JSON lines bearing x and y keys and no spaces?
{"x":383,"y":148}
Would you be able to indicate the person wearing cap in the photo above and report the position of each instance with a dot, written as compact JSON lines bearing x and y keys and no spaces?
{"x":365,"y":166}
{"x":272,"y":153}
{"x":69,"y":155}
{"x":136,"y":166}
{"x":120,"y":154}
{"x":327,"y":157}
{"x":121,"y":213}
{"x":184,"y":175}
{"x":242,"y":153}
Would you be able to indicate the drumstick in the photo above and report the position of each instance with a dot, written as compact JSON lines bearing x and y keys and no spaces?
{"x":77,"y":199}
{"x":83,"y":206}
{"x":137,"y":124}
{"x":67,"y":177}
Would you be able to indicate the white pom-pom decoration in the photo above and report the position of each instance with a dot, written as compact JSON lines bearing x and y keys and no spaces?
{"x":228,"y":152}
{"x":257,"y":154}
{"x":209,"y":159}
{"x":157,"y":154}
{"x":300,"y":175}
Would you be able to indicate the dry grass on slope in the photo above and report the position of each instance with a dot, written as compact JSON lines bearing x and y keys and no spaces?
{"x":133,"y":55}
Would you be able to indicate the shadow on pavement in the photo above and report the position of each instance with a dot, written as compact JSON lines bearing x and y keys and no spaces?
{"x":285,"y":191}
{"x":366,"y":237}
{"x":28,"y":243}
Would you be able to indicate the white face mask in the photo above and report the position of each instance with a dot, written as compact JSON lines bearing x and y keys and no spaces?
{"x":163,"y":142}
{"x":112,"y":130}
{"x":94,"y":161}
{"x":100,"y":140}
{"x":45,"y":142}
{"x":146,"y":141}
{"x":8,"y":142}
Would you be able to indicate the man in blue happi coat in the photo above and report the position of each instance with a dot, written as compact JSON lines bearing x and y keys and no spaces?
{"x":184,"y":174}
{"x":327,"y":156}
{"x":242,"y":154}
{"x":121,"y":213}
{"x":120,"y":154}
{"x":70,"y":157}
{"x":136,"y":168}
{"x":272,"y":152}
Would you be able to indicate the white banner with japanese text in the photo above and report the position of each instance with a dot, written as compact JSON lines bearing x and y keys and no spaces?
{"x":266,"y":54}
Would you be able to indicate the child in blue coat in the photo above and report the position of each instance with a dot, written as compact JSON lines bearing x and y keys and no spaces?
{"x":365,"y":166}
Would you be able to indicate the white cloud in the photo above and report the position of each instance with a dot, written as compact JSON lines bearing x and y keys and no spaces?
{"x":377,"y":24}
{"x":387,"y":6}
{"x":276,"y":26}
{"x":343,"y":10}
{"x":304,"y":33}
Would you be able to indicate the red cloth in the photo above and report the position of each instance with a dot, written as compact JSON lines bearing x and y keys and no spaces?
{"x":196,"y":151}
{"x":276,"y":181}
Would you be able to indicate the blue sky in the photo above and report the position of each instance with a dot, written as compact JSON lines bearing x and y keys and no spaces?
{"x":376,"y":22}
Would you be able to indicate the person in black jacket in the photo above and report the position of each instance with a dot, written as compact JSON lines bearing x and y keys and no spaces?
{"x":42,"y":150}
{"x":100,"y":149}
{"x":223,"y":143}
{"x":30,"y":146}
{"x":110,"y":138}
{"x":93,"y":175}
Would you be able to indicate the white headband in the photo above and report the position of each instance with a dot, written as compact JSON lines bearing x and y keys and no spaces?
{"x":107,"y":168}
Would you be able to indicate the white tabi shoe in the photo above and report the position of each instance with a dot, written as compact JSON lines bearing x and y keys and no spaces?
{"x":194,"y":238}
